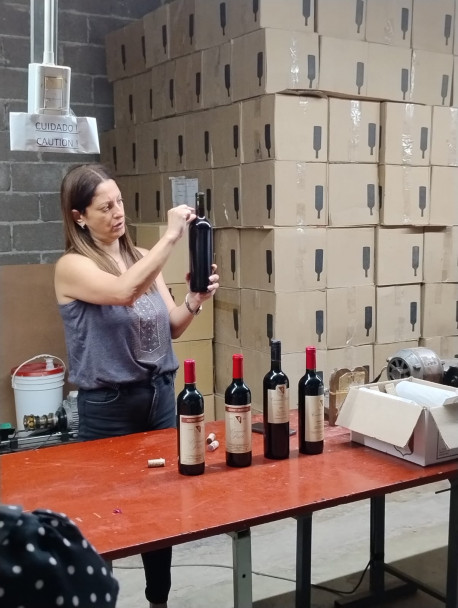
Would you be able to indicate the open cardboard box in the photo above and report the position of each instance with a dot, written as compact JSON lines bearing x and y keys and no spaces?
{"x":416,"y":432}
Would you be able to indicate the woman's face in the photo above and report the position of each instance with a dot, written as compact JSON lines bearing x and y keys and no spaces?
{"x":104,"y":217}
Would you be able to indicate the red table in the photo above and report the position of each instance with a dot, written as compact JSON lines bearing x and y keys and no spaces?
{"x":125,"y":508}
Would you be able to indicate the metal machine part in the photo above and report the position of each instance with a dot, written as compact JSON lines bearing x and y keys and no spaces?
{"x":64,"y":419}
{"x":419,"y":362}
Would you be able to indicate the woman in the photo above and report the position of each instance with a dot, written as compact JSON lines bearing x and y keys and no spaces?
{"x":119,"y":319}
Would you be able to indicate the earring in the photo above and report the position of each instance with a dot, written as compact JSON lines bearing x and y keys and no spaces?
{"x":82,"y":224}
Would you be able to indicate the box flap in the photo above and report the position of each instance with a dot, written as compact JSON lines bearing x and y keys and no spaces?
{"x":384,"y":417}
{"x":446,"y":419}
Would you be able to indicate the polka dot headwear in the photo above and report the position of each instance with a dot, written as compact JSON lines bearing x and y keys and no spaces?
{"x":45,"y":561}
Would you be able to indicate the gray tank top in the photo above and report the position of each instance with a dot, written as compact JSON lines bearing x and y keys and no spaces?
{"x":109,"y":345}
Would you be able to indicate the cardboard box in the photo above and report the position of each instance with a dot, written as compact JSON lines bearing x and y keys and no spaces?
{"x":350,"y":313}
{"x":354,"y":128}
{"x":215,"y":23}
{"x":217,"y":76}
{"x":284,"y":193}
{"x":163,"y":77}
{"x":285,"y":127}
{"x":283,"y":259}
{"x":252,"y":16}
{"x":151,"y":198}
{"x":444,"y":193}
{"x":227,"y":195}
{"x":273,"y":60}
{"x":198,"y":140}
{"x":405,"y":195}
{"x":177,"y":265}
{"x":227,"y":256}
{"x":182,"y":40}
{"x":433,"y":25}
{"x":353,"y":194}
{"x":108,"y":150}
{"x":156,"y":27}
{"x":201,"y":327}
{"x":350,"y":256}
{"x":149,"y":147}
{"x":444,"y":346}
{"x":180,"y":188}
{"x":398,"y":256}
{"x":126,"y":150}
{"x":204,"y":183}
{"x":431,"y":78}
{"x":341,"y":18}
{"x":189,"y":83}
{"x":267,"y":315}
{"x":439,"y":309}
{"x":173,"y":144}
{"x":345,"y":358}
{"x":398,"y":309}
{"x":383,"y":352}
{"x":444,"y":139}
{"x":143,"y":97}
{"x":227,"y":316}
{"x":343,"y":66}
{"x":202,"y":352}
{"x":405,"y":134}
{"x":389,"y":22}
{"x":225,"y":128}
{"x":125,"y":51}
{"x":123,"y":102}
{"x":416,"y":432}
{"x":388,"y":71}
{"x":440,"y":255}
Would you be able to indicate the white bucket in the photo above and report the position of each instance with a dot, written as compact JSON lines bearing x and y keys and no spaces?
{"x":38,"y":387}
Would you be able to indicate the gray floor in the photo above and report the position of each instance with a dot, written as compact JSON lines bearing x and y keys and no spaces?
{"x":416,"y":537}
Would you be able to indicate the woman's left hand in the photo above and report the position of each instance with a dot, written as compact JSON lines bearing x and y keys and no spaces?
{"x":197,"y":299}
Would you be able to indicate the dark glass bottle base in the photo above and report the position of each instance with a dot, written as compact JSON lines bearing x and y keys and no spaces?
{"x":191,"y":469}
{"x":238,"y":460}
{"x":312,"y":447}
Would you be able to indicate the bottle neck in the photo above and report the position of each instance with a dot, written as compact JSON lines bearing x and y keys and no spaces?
{"x":310,"y":359}
{"x":190,"y":372}
{"x":237,"y":367}
{"x":200,"y":205}
{"x":275,"y":355}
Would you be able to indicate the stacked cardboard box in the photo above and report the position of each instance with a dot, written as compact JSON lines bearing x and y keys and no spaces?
{"x":325,"y":142}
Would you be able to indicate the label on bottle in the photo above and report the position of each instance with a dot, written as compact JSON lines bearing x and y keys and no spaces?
{"x":192,"y":439}
{"x":278,"y":404}
{"x":314,"y":418}
{"x":238,"y":428}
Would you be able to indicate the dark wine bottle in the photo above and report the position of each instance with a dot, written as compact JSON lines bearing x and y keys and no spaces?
{"x":200,"y":248}
{"x":190,"y":424}
{"x":275,"y":402}
{"x":237,"y":400}
{"x":311,"y":407}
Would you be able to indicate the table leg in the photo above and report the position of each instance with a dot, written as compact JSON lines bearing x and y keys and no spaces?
{"x":303,"y":561}
{"x":242,"y":577}
{"x":378,"y":593}
{"x":452,"y":557}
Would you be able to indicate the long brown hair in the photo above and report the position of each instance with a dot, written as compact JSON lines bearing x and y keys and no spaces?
{"x":76,"y":192}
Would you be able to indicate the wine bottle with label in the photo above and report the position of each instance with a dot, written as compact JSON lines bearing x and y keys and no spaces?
{"x":237,"y":400}
{"x":275,"y":400}
{"x":190,"y":424}
{"x":311,"y":407}
{"x":200,"y":248}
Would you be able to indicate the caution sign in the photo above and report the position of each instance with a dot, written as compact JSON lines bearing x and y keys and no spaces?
{"x":48,"y":133}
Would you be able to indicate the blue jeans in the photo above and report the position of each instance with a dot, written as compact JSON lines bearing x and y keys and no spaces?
{"x":134,"y":408}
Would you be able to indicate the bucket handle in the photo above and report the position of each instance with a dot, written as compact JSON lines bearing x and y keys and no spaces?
{"x":44,"y":356}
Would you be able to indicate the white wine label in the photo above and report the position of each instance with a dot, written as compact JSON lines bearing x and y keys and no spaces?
{"x":278,"y":404}
{"x":314,"y":418}
{"x":238,"y":429}
{"x":192,"y":439}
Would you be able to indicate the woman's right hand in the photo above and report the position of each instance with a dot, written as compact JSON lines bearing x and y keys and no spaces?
{"x":177,"y":220}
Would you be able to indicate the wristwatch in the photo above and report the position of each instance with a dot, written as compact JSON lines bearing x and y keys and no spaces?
{"x":193,"y":312}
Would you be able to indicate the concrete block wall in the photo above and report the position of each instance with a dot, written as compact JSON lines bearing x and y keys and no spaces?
{"x":30,"y":226}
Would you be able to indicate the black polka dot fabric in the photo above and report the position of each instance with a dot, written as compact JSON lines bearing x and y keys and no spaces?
{"x":45,"y":561}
